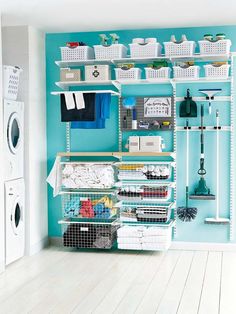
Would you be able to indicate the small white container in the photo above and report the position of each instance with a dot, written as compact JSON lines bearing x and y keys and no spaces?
{"x":97,"y":72}
{"x":78,"y":53}
{"x":129,"y":74}
{"x":68,"y":74}
{"x":162,"y":73}
{"x":148,"y":50}
{"x":134,"y":144}
{"x":217,"y":71}
{"x":214,"y":48}
{"x":186,"y":48}
{"x":115,"y":51}
{"x":151,"y":144}
{"x":191,"y":72}
{"x":11,"y":78}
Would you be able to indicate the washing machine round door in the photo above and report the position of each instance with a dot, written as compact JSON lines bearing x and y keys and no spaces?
{"x":16,"y":217}
{"x":13,"y":133}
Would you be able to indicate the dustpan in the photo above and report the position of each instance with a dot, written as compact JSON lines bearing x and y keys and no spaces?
{"x":188,"y":107}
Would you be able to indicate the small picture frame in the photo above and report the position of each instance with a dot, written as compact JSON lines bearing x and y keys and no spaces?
{"x":157,"y":107}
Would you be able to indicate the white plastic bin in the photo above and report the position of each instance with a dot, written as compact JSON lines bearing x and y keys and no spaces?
{"x":162,"y":73}
{"x":218,"y":47}
{"x":148,"y":50}
{"x":186,"y":48}
{"x":130,"y":74}
{"x":78,"y":53}
{"x":115,"y":51}
{"x":217,"y":71}
{"x":191,"y":72}
{"x":11,"y":78}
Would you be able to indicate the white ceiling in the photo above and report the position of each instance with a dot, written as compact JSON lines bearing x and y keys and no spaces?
{"x":88,"y":15}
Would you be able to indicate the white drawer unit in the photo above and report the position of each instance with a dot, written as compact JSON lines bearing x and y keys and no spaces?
{"x":97,"y":72}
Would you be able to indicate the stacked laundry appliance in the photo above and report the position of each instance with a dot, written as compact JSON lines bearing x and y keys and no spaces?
{"x":13,"y":132}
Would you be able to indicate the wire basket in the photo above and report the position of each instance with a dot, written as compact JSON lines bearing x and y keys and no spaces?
{"x":115,"y":51}
{"x":88,"y":206}
{"x":192,"y":72}
{"x":87,"y":235}
{"x":87,"y":175}
{"x":144,"y":212}
{"x":77,"y":53}
{"x":217,"y":47}
{"x":144,"y":170}
{"x":129,"y":74}
{"x":11,"y":78}
{"x":212,"y":71}
{"x":136,"y":192}
{"x":148,"y":50}
{"x":144,"y":238}
{"x":185,"y":48}
{"x":162,"y":73}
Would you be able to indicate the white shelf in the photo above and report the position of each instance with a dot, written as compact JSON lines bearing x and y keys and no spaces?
{"x":170,"y":223}
{"x":202,"y":80}
{"x":67,"y":84}
{"x":113,"y":93}
{"x":77,"y":63}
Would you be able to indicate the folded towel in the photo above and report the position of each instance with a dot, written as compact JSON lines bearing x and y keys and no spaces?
{"x":130,"y":231}
{"x":123,"y":246}
{"x":70,"y":103}
{"x":79,"y":99}
{"x":54,"y":178}
{"x":129,"y":240}
{"x":156,"y":239}
{"x":153,"y":231}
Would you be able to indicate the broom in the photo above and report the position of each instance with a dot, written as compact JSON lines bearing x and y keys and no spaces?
{"x":186,"y":213}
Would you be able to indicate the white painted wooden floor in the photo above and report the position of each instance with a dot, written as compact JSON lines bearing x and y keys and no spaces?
{"x":60,"y":281}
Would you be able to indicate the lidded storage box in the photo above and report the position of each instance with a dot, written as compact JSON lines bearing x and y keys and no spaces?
{"x":97,"y":72}
{"x":68,"y":74}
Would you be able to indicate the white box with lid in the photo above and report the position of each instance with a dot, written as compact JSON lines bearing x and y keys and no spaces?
{"x":151,"y":144}
{"x":69,"y":75}
{"x":134,"y":143}
{"x":99,"y":72}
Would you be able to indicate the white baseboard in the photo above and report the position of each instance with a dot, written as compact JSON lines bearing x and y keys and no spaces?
{"x":202,"y":246}
{"x":35,"y":248}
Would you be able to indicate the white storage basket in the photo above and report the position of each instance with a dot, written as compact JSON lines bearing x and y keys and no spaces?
{"x":214,"y":48}
{"x":145,"y":50}
{"x":115,"y":51}
{"x":191,"y":72}
{"x":11,"y":77}
{"x":97,"y":72}
{"x":78,"y":53}
{"x":217,"y":71}
{"x":130,"y":74}
{"x":186,"y":48}
{"x":162,"y":73}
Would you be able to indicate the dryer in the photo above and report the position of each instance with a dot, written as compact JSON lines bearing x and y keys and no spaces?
{"x":13,"y":139}
{"x":15,"y":219}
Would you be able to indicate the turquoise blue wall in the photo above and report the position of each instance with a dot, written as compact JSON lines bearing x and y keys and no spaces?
{"x":106,"y":140}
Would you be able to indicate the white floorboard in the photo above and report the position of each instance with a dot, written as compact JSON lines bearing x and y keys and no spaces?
{"x":59,"y":281}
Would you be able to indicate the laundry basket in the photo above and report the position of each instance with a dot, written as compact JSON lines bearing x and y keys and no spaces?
{"x":162,"y":73}
{"x":11,"y":78}
{"x":218,"y":47}
{"x":185,"y":48}
{"x":212,"y":71}
{"x":129,"y":74}
{"x":148,"y":50}
{"x":77,"y":53}
{"x":192,"y":72}
{"x":115,"y":51}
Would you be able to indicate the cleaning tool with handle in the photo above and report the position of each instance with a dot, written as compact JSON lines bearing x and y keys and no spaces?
{"x":202,"y":192}
{"x":188,"y":107}
{"x":217,"y":219}
{"x":210,"y":95}
{"x":186,"y":213}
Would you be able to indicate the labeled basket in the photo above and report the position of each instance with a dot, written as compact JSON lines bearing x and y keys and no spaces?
{"x":162,"y":73}
{"x":213,"y":48}
{"x":129,"y":74}
{"x":77,"y":53}
{"x":115,"y":51}
{"x":192,"y":72}
{"x":11,"y":78}
{"x":148,"y":50}
{"x":185,"y":48}
{"x":212,"y":71}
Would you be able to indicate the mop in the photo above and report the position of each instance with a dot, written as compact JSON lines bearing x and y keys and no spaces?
{"x":217,"y":219}
{"x":202,"y":192}
{"x":186,"y":213}
{"x":210,"y":94}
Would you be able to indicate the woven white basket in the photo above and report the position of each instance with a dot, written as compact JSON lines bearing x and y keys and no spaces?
{"x":214,"y":71}
{"x":145,"y":50}
{"x":11,"y":77}
{"x":186,"y":48}
{"x":115,"y":51}
{"x":214,"y":48}
{"x":78,"y":53}
{"x":162,"y":73}
{"x":130,"y":74}
{"x":191,"y":72}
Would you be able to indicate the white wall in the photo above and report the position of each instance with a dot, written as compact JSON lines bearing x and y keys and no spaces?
{"x":24,"y":46}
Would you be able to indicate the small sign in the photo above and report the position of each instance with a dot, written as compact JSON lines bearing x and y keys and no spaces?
{"x":157,"y":107}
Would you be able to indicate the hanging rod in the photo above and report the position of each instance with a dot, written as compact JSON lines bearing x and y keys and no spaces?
{"x":113,"y":93}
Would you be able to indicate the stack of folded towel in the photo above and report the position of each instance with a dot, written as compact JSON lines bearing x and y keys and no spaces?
{"x":143,"y":172}
{"x":144,"y":238}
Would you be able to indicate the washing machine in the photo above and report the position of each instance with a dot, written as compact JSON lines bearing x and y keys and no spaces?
{"x":15,"y":220}
{"x":13,"y":139}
